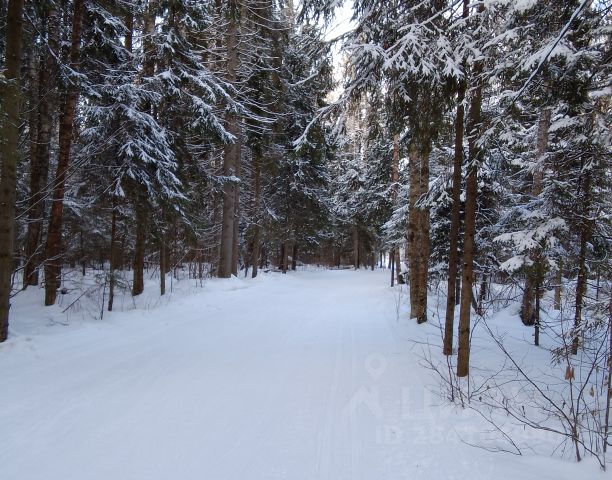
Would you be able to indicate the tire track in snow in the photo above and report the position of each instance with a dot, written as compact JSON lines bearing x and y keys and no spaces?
{"x":324,"y":454}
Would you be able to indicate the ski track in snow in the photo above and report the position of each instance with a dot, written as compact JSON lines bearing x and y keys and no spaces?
{"x":303,"y":376}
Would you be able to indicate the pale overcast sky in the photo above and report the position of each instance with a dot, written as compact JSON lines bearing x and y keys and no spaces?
{"x":342,"y":23}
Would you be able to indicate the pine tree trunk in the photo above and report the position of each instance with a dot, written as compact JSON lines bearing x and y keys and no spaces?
{"x":423,"y":246}
{"x":139,"y":252}
{"x":200,"y":264}
{"x":115,"y":255}
{"x":217,"y":160}
{"x":558,"y":281}
{"x":527,"y":309}
{"x":39,"y":162}
{"x":30,"y":248}
{"x":82,"y":252}
{"x":453,"y":246}
{"x":53,"y":251}
{"x":398,"y":266}
{"x":32,"y":241}
{"x":538,"y":296}
{"x":33,"y":101}
{"x":394,"y":179}
{"x":139,"y":199}
{"x":413,"y":230}
{"x":255,"y":254}
{"x":231,"y":152}
{"x":285,"y":256}
{"x":113,"y":258}
{"x":528,"y":313}
{"x":162,"y":263}
{"x":355,"y":237}
{"x":463,"y":357}
{"x":236,"y":231}
{"x":392,"y":265}
{"x":581,"y":280}
{"x":257,"y":211}
{"x":9,"y":154}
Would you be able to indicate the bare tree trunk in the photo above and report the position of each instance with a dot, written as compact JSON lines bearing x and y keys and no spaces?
{"x":138,"y":197}
{"x":53,"y":251}
{"x":32,"y":241}
{"x":355,"y":237}
{"x":139,"y":251}
{"x":257,"y":210}
{"x":463,"y":357}
{"x":413,"y":230}
{"x":82,"y":252}
{"x":529,"y":315}
{"x":398,"y":265}
{"x":236,"y":232}
{"x":581,"y":280}
{"x":231,"y":152}
{"x":113,"y":258}
{"x":9,"y":154}
{"x":423,"y":245}
{"x":558,"y":281}
{"x":294,"y":256}
{"x":162,"y":263}
{"x":418,"y":232}
{"x":392,"y":263}
{"x":255,"y":254}
{"x":200,"y":263}
{"x":285,"y":256}
{"x":394,"y":186}
{"x":538,"y":295}
{"x":39,"y":162}
{"x":453,"y":247}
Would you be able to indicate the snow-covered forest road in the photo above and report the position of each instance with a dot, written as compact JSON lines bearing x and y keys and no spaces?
{"x":305,"y":376}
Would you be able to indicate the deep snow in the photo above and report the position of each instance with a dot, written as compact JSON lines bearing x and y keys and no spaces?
{"x":310,"y":375}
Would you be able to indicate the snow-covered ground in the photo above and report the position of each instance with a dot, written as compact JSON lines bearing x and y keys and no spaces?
{"x":310,"y":375}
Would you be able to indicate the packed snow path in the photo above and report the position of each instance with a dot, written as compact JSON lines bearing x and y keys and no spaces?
{"x":304,"y":376}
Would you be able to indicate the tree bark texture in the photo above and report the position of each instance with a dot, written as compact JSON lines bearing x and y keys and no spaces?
{"x":463,"y":357}
{"x":257,"y":210}
{"x":139,"y":251}
{"x":162,"y":263}
{"x":113,"y":258}
{"x":418,"y":231}
{"x":9,"y":153}
{"x":236,"y":230}
{"x":53,"y":250}
{"x":355,"y":239}
{"x":294,"y":256}
{"x":39,"y":161}
{"x":394,"y":186}
{"x":139,"y":199}
{"x":453,"y":246}
{"x":528,"y":313}
{"x":231,"y":152}
{"x":558,"y":280}
{"x":581,"y":280}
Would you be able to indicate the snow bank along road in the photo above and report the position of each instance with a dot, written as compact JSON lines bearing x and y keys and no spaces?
{"x":304,"y":376}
